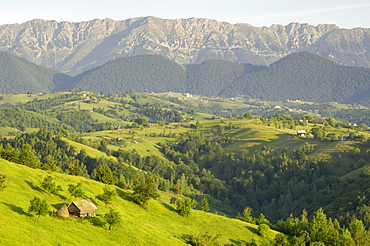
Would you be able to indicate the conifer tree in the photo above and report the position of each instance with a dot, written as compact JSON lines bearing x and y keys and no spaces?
{"x":184,"y":206}
{"x":204,"y":205}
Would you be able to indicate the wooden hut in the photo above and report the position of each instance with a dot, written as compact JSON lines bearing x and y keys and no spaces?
{"x":63,"y":211}
{"x":82,"y":208}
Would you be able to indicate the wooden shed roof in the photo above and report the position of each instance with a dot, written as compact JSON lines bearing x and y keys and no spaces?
{"x":84,"y":205}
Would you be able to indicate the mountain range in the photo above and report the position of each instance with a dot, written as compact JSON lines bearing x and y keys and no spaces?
{"x":302,"y":75}
{"x":75,"y":47}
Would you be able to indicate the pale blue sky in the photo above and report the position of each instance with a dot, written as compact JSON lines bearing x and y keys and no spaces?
{"x":344,"y":13}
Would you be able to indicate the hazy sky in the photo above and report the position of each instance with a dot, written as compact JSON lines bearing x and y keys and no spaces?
{"x":344,"y":13}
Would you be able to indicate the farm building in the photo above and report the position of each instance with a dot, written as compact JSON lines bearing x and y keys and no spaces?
{"x":82,"y":208}
{"x":301,"y":133}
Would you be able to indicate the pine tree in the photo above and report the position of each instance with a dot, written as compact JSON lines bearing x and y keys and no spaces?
{"x":184,"y":206}
{"x":204,"y":205}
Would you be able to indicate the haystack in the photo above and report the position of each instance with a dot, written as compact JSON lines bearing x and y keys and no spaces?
{"x":63,"y":211}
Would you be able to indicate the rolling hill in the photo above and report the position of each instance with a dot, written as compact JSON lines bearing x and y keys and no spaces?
{"x":302,"y":75}
{"x":160,"y":224}
{"x":20,"y":76}
{"x":240,"y":162}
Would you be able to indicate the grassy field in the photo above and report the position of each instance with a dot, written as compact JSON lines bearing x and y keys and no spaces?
{"x":22,"y":98}
{"x":160,"y":224}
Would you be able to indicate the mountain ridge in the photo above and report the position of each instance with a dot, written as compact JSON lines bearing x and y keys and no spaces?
{"x":74,"y":47}
{"x":302,"y":75}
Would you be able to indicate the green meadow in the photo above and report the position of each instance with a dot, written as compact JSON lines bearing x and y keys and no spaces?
{"x":159,"y":224}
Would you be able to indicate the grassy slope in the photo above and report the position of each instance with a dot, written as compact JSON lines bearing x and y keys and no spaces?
{"x":159,"y":225}
{"x":22,"y":98}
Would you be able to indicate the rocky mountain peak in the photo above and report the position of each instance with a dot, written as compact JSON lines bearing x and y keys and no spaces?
{"x":77,"y":46}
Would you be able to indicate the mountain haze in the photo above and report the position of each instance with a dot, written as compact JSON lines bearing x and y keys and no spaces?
{"x":76,"y":47}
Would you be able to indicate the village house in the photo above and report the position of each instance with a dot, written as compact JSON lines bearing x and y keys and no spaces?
{"x":117,"y":127}
{"x":82,"y":208}
{"x":301,"y":133}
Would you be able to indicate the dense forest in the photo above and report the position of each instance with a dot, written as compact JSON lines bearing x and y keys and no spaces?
{"x":139,"y":73}
{"x":306,"y":77}
{"x":302,"y":75}
{"x":21,"y":76}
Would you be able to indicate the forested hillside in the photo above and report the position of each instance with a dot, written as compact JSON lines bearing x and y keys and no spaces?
{"x":139,"y":73}
{"x":302,"y":76}
{"x":211,"y":77}
{"x":20,"y":76}
{"x":312,"y":188}
{"x":306,"y":77}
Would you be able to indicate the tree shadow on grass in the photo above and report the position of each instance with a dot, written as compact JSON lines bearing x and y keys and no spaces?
{"x":33,"y":187}
{"x":238,"y":242}
{"x":16,"y":209}
{"x":251,"y":229}
{"x":169,"y":207}
{"x":125,"y":195}
{"x":96,"y":221}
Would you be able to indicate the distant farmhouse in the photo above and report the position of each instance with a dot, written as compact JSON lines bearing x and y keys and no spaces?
{"x":82,"y":208}
{"x":301,"y":133}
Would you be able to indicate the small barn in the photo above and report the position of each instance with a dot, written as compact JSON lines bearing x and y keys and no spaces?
{"x":82,"y":208}
{"x":301,"y":133}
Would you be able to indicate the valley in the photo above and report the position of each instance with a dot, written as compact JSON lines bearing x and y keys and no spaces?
{"x":238,"y":153}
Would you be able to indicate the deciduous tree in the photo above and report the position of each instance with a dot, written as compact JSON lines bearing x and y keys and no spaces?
{"x":107,"y":196}
{"x":146,"y":191}
{"x":76,"y":190}
{"x":112,"y":218}
{"x":38,"y":206}
{"x":49,"y":185}
{"x":2,"y":181}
